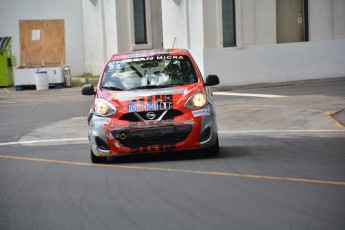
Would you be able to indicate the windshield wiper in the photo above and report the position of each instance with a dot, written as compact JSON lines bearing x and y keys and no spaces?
{"x":112,"y":88}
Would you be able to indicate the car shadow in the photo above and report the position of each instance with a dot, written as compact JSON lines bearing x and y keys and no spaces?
{"x":186,"y":155}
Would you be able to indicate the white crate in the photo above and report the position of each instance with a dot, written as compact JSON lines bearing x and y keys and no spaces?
{"x":26,"y":76}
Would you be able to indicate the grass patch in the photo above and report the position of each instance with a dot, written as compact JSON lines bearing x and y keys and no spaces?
{"x":85,"y":76}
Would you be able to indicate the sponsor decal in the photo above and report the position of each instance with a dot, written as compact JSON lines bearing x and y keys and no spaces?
{"x":117,"y":64}
{"x":101,"y":120}
{"x":153,"y":58}
{"x":170,"y":58}
{"x":201,"y":112}
{"x":149,"y":106}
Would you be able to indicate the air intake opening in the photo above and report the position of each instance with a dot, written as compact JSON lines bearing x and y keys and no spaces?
{"x":101,"y":144}
{"x":205,"y":135}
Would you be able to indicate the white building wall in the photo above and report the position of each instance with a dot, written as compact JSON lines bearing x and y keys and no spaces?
{"x":326,"y":19}
{"x":11,"y":11}
{"x":265,"y":22}
{"x":276,"y":63}
{"x":175,"y":23}
{"x":93,"y":36}
{"x":95,"y":29}
{"x":211,"y":19}
{"x":255,"y":22}
{"x":195,"y":24}
{"x":198,"y":24}
{"x":258,"y":59}
{"x":157,"y":28}
{"x":124,"y":26}
{"x":247,"y":22}
{"x":320,"y":20}
{"x":339,"y":19}
{"x":109,"y":29}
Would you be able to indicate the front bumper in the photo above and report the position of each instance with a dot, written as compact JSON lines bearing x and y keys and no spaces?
{"x":163,"y":135}
{"x":110,"y":137}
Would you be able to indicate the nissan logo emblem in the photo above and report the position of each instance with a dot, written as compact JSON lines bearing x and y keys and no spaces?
{"x":151,"y":115}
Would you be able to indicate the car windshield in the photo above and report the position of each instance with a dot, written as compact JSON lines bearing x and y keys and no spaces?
{"x":148,"y":72}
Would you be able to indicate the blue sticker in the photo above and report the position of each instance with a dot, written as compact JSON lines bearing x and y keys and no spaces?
{"x":102,"y":120}
{"x":201,"y":112}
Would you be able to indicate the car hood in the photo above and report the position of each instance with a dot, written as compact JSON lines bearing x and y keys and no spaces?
{"x":176,"y":95}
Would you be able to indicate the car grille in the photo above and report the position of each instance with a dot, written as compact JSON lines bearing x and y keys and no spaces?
{"x":135,"y":117}
{"x":136,"y":138}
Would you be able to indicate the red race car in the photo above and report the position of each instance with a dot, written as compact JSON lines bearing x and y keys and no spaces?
{"x":151,"y":101}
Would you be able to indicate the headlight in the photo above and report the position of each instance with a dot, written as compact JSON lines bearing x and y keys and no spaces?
{"x":196,"y":101}
{"x":104,"y":108}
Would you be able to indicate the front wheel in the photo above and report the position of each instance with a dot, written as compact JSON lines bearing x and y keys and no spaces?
{"x":212,"y":151}
{"x":95,"y":159}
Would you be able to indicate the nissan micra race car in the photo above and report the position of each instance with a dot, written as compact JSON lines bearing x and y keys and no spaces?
{"x":151,"y":101}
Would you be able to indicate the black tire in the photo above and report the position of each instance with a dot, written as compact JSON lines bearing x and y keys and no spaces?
{"x":97,"y":160}
{"x":212,"y":151}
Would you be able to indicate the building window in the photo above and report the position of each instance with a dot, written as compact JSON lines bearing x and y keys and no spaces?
{"x":228,"y":18}
{"x":139,"y":22}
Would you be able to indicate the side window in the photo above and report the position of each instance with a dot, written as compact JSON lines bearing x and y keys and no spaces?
{"x":228,"y":18}
{"x":139,"y":12}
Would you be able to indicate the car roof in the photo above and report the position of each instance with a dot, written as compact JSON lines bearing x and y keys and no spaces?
{"x":148,"y":53}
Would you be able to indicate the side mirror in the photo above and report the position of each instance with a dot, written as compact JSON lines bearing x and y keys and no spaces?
{"x":88,"y":90}
{"x":212,"y":80}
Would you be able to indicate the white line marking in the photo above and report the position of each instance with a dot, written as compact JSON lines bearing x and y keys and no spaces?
{"x":42,"y":141}
{"x":219,"y":131}
{"x":279,"y":131}
{"x":6,"y":102}
{"x":248,"y":95}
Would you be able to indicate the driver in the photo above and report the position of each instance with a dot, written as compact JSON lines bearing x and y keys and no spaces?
{"x":186,"y":75}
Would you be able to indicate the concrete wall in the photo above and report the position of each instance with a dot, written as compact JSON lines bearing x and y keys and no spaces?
{"x":276,"y":63}
{"x":175,"y":24}
{"x":96,"y":29}
{"x":257,"y":58}
{"x":11,"y":11}
{"x":157,"y":27}
{"x":109,"y":29}
{"x":255,"y":22}
{"x":93,"y":36}
{"x":339,"y":19}
{"x":326,"y":19}
{"x":198,"y":24}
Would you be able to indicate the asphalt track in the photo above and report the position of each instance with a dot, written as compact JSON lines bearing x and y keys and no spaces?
{"x":281,"y":166}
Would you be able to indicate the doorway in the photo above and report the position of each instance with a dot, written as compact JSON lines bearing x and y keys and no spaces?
{"x":292,"y":21}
